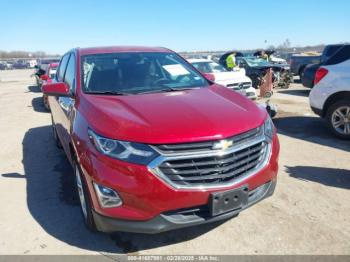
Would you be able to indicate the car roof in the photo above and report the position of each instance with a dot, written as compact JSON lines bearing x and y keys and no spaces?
{"x":197,"y":60}
{"x":120,"y":49}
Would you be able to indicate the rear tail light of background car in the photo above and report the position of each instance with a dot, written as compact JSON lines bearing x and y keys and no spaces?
{"x":320,"y":74}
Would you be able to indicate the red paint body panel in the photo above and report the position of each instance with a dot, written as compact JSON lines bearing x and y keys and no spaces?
{"x":60,"y":89}
{"x":176,"y":117}
{"x":173,"y":117}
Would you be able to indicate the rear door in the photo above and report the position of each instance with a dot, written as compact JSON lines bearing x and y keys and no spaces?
{"x":66,"y":104}
{"x":54,"y":101}
{"x":61,"y":107}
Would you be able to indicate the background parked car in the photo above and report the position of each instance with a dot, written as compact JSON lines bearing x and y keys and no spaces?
{"x":32,"y":63}
{"x":273,"y":57}
{"x":47,"y":78}
{"x":42,"y":68}
{"x":298,"y":62}
{"x":20,"y":64}
{"x":3,"y":66}
{"x":39,"y":72}
{"x":330,"y":97}
{"x":9,"y":65}
{"x":256,"y":69}
{"x":236,"y":80}
{"x":310,"y":70}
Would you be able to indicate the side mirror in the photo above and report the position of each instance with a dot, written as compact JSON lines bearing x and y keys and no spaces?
{"x":210,"y":77}
{"x":44,"y":77}
{"x":56,"y":89}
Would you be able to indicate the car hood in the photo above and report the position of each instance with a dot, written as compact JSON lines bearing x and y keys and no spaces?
{"x":172,"y":117}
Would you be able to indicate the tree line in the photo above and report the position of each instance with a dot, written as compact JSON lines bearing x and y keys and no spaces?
{"x":25,"y":54}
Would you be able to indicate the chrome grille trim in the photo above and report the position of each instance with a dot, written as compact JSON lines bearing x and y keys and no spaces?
{"x":236,"y":86}
{"x":155,"y":166}
{"x":206,"y":146}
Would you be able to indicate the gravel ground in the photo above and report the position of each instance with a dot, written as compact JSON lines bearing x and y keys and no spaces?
{"x":308,"y":214}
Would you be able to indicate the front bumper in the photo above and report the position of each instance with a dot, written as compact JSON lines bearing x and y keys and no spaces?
{"x":146,"y":196}
{"x":176,"y":219}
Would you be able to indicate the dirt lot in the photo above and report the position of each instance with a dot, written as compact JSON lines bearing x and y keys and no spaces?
{"x":309,"y":213}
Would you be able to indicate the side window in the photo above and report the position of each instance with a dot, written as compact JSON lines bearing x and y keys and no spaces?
{"x":69,"y":77}
{"x":340,"y":56}
{"x":62,"y":67}
{"x":329,"y":51}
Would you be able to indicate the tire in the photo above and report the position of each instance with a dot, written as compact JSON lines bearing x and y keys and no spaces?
{"x":338,"y":119}
{"x":46,"y":103}
{"x":84,"y":198}
{"x":301,"y":73}
{"x":55,"y":136}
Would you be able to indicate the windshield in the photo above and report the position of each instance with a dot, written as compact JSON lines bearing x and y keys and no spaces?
{"x":208,"y":67}
{"x":138,"y":72}
{"x":256,"y":62}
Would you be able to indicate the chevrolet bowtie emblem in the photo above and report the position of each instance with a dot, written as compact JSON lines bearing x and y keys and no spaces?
{"x":223,"y":144}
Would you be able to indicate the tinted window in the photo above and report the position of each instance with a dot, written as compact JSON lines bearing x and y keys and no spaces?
{"x":340,"y":56}
{"x":330,"y":50}
{"x":62,"y":67}
{"x":70,"y":73}
{"x":139,"y":72}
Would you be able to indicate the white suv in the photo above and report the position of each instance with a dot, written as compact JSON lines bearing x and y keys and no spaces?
{"x":330,"y":96}
{"x":236,"y":80}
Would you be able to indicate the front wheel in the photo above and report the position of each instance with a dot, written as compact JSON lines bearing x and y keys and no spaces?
{"x":338,"y":119}
{"x":84,"y":199}
{"x":301,"y":73}
{"x":46,"y":102}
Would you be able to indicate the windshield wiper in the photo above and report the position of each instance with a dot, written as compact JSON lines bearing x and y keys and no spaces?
{"x":167,"y":89}
{"x":107,"y":93}
{"x":187,"y":88}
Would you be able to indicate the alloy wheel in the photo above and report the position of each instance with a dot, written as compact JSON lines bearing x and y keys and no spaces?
{"x":80,"y":191}
{"x":341,"y":120}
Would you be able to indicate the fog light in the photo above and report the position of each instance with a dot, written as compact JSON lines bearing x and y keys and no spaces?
{"x":107,"y":197}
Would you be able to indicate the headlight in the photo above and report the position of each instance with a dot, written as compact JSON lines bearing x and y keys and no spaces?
{"x":269,"y":129}
{"x":122,"y":150}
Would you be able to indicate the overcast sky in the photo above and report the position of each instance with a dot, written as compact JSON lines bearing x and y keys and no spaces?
{"x":182,"y":25}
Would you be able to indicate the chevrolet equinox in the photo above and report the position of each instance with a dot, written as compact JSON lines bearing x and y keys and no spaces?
{"x":156,"y":146}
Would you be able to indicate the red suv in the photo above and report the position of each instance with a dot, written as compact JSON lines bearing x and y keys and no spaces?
{"x":46,"y":78}
{"x":156,"y":146}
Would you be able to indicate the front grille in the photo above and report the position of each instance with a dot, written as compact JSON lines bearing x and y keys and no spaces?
{"x":199,"y":147}
{"x":239,"y":86}
{"x":217,"y":169}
